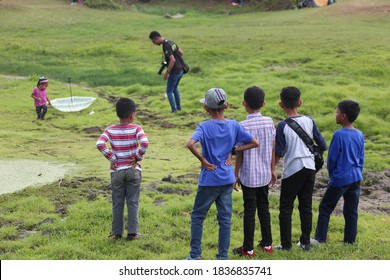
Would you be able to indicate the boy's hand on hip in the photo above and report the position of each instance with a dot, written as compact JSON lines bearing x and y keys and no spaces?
{"x":229,"y":160}
{"x":113,"y":166}
{"x":208,"y":165}
{"x":133,"y":163}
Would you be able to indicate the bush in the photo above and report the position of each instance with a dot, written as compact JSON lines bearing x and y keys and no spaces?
{"x":105,"y":4}
{"x":269,"y":5}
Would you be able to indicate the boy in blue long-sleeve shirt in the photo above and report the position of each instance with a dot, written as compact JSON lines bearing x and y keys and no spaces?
{"x":345,"y":168}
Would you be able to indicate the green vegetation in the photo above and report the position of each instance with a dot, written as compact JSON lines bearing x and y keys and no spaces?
{"x":333,"y":53}
{"x":218,"y":6}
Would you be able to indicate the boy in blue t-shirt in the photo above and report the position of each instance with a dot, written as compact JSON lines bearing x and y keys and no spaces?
{"x":218,"y":138}
{"x":345,"y":168}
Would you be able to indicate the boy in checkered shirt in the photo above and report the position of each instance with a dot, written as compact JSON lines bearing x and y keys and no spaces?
{"x":254,"y":171}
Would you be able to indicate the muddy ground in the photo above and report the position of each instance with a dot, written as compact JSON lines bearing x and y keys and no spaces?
{"x":374,"y":197}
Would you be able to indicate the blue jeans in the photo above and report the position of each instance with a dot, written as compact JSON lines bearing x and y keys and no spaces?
{"x":173,"y":91}
{"x":328,"y":203}
{"x":125,"y":185}
{"x":205,"y":197}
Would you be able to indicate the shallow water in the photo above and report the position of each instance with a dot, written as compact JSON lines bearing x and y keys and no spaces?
{"x":21,"y":173}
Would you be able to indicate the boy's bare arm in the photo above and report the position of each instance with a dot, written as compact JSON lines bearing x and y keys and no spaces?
{"x":273,"y":165}
{"x":229,"y":160}
{"x":252,"y":144}
{"x":191,"y":145}
{"x":277,"y":158}
{"x":171,"y":64}
{"x":237,"y":167}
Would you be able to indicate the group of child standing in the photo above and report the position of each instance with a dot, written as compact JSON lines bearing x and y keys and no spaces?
{"x":257,"y":147}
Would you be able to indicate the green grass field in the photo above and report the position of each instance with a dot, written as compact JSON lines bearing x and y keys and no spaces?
{"x":332,"y":53}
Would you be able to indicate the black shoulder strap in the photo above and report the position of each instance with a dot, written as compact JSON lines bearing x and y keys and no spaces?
{"x":178,"y":57}
{"x":169,"y":44}
{"x":301,"y":133}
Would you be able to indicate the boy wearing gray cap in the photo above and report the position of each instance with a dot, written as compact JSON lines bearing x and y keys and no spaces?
{"x":218,"y":138}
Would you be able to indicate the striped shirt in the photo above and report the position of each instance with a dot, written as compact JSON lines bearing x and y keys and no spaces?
{"x":256,"y":165}
{"x":127,"y":142}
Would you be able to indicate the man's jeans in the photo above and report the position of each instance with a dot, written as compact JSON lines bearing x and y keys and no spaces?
{"x":173,"y":91}
{"x":125,"y":185}
{"x":332,"y":195}
{"x":205,"y":197}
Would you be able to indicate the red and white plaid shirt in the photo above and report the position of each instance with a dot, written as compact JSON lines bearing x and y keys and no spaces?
{"x":127,"y":142}
{"x":256,"y":165}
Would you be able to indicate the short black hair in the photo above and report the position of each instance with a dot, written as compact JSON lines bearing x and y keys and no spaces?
{"x":125,"y":107}
{"x":215,"y":110}
{"x":350,"y":108}
{"x":290,"y":97}
{"x":254,"y":97}
{"x":154,"y":34}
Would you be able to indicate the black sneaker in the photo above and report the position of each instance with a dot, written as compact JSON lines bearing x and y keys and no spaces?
{"x":303,"y":246}
{"x":133,"y":236}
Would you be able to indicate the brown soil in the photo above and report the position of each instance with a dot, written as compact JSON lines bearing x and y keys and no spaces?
{"x":374,"y":196}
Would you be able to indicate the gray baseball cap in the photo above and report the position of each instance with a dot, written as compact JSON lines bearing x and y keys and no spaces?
{"x":215,"y":98}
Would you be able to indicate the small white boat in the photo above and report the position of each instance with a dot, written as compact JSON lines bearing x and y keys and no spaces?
{"x":72,"y":104}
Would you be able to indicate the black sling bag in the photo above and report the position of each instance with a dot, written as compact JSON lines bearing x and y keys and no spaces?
{"x":314,"y":149}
